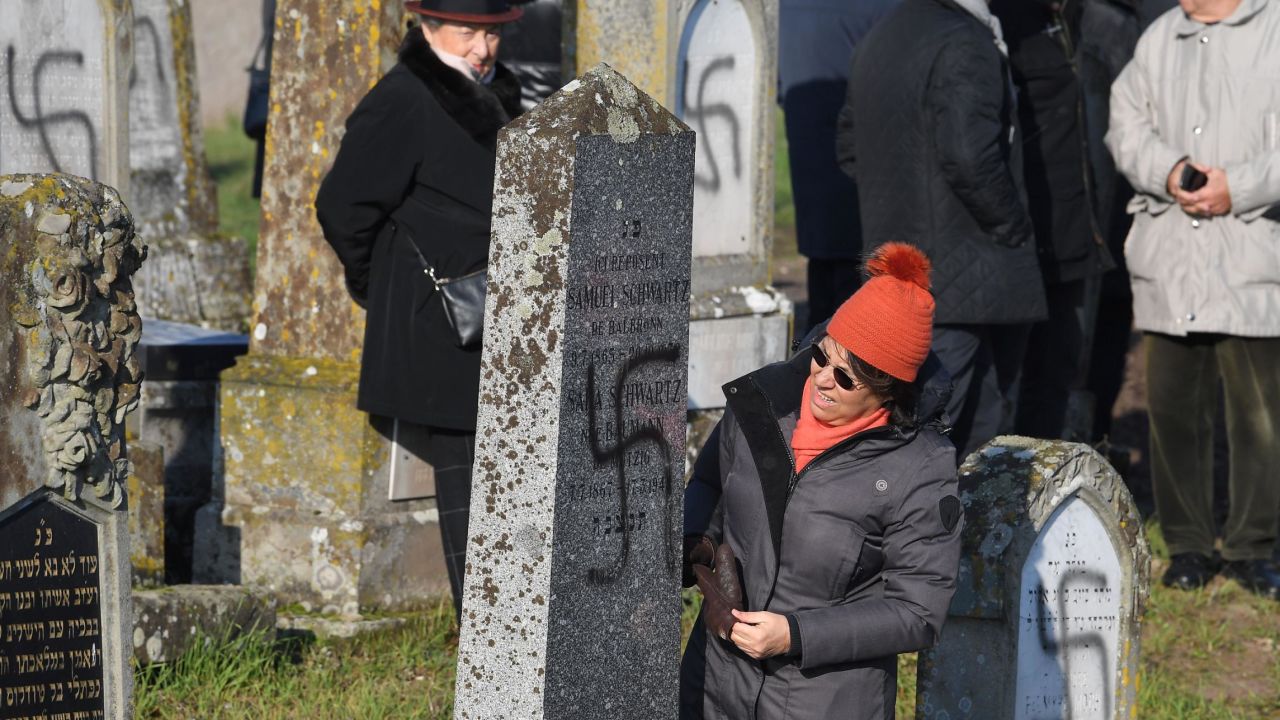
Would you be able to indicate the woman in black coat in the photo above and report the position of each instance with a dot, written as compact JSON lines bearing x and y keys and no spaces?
{"x":413,"y":183}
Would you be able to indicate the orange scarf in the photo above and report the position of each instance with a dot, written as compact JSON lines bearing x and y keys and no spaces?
{"x":813,"y":437}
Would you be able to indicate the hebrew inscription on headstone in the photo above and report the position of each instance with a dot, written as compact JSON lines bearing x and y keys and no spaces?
{"x":69,"y":328}
{"x":51,"y":627}
{"x":572,"y":588}
{"x":1053,"y":578}
{"x":65,"y":68}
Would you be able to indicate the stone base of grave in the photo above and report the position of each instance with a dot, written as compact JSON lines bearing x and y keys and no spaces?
{"x":301,"y":509}
{"x":732,"y":334}
{"x":326,"y":628}
{"x":199,"y":280}
{"x":169,"y":621}
{"x":146,"y":513}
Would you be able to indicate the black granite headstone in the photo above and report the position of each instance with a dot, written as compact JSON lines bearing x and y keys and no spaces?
{"x":572,"y":605}
{"x":50,"y":617}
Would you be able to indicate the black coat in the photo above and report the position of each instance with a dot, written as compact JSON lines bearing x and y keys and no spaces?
{"x":926,"y":132}
{"x":416,"y":166}
{"x":1051,"y":110}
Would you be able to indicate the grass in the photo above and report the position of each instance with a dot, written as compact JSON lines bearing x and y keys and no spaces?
{"x":401,"y":673}
{"x":1213,"y":654}
{"x":230,"y":155}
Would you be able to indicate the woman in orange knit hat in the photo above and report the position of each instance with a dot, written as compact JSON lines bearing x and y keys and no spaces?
{"x":822,"y":522}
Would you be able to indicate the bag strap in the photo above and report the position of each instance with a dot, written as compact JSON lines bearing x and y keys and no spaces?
{"x":430,"y":271}
{"x":260,"y":53}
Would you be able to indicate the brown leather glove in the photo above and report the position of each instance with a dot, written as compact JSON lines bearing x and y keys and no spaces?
{"x":698,"y":550}
{"x":721,"y":591}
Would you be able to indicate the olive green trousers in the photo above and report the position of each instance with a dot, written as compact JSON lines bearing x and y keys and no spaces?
{"x":1183,"y":379}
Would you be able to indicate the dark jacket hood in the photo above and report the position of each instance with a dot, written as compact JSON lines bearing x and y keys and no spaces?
{"x":479,"y":109}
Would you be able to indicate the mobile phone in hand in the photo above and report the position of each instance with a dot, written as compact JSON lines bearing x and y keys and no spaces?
{"x":1192,"y":179}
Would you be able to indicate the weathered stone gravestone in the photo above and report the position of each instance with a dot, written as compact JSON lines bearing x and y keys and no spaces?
{"x":1053,"y":582}
{"x":68,"y":328}
{"x":305,"y":506}
{"x":715,"y":62}
{"x":192,"y":274}
{"x":64,"y":95}
{"x":572,"y":588}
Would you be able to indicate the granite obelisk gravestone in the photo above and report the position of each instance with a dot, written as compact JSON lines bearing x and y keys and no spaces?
{"x":715,"y":63}
{"x":1053,"y":579}
{"x":572,"y":589}
{"x":69,"y":329}
{"x":64,"y":91}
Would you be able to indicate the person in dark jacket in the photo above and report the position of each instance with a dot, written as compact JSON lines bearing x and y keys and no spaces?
{"x":531,"y":48}
{"x":816,"y":39}
{"x":831,"y":483}
{"x":413,"y":184}
{"x":1043,"y":38}
{"x":929,"y":133}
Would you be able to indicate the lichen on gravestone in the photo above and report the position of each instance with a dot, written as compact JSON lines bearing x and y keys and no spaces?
{"x":69,"y":251}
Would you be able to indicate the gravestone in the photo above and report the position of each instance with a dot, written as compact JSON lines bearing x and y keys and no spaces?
{"x":64,"y":95}
{"x":193,"y":275}
{"x":302,"y":504}
{"x":69,"y":328}
{"x":715,"y":62}
{"x":1053,"y":581}
{"x":179,"y":413}
{"x":572,"y":599}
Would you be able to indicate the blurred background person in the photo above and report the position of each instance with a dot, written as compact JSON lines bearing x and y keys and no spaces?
{"x":411,"y":188}
{"x":531,"y":49}
{"x":816,"y":39}
{"x":1043,"y":39}
{"x":1195,"y":127}
{"x":929,"y":132}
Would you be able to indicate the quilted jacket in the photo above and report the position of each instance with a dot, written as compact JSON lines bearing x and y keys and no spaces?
{"x":1210,"y":93}
{"x":860,"y":550}
{"x":928,"y":133}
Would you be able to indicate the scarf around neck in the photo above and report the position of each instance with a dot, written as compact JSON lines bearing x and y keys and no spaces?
{"x":814,"y":437}
{"x":459,"y":63}
{"x":981,"y":9}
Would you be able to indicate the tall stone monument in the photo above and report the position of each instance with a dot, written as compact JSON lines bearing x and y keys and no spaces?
{"x":302,"y":507}
{"x":572,"y":599}
{"x":192,"y":274}
{"x":715,"y":62}
{"x":1053,"y":581}
{"x":68,"y":328}
{"x":64,"y":95}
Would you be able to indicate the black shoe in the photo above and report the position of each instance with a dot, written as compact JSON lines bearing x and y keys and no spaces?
{"x":1260,"y":577}
{"x":1188,"y":571}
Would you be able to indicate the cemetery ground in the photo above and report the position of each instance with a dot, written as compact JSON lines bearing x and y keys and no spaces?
{"x":1212,"y":654}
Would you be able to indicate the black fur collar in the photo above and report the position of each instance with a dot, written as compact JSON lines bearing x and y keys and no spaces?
{"x":481,"y":110}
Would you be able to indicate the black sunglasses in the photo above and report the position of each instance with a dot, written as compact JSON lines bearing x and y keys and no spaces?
{"x":843,"y":379}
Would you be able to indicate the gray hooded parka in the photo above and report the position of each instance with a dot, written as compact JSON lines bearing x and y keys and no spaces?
{"x":860,"y":551}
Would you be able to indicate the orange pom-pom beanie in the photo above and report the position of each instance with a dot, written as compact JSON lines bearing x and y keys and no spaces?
{"x":889,"y":321}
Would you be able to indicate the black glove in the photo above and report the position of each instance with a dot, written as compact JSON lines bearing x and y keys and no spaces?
{"x":721,"y":591}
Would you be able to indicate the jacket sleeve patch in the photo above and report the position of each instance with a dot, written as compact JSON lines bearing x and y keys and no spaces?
{"x":949,"y":511}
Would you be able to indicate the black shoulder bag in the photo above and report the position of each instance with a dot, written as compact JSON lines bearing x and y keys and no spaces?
{"x":463,"y":299}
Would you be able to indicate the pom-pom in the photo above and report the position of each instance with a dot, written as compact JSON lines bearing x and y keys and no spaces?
{"x":902,"y":261}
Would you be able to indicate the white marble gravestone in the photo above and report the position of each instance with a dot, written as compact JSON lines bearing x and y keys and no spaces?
{"x":717,"y":98}
{"x":64,"y":88}
{"x":1069,"y":618}
{"x":1054,"y":568}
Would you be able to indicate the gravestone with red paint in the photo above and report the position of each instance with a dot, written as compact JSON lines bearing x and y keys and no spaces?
{"x":572,"y":602}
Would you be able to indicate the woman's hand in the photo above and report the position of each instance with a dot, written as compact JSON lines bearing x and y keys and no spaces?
{"x":761,"y":634}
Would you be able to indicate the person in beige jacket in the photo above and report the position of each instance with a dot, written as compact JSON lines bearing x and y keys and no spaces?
{"x":1203,"y":90}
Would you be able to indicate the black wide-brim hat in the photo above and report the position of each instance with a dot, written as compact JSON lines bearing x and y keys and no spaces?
{"x":480,"y":12}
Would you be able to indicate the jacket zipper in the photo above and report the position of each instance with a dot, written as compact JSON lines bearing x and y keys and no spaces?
{"x":1060,"y":17}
